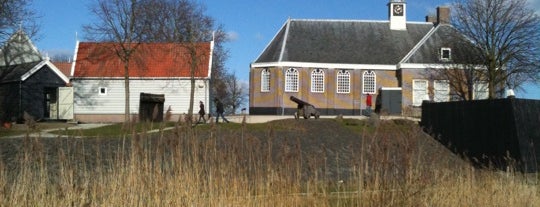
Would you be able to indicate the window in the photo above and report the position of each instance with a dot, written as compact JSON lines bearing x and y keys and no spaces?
{"x":291,"y":80}
{"x":369,"y":81}
{"x":441,"y":91}
{"x":317,"y":81}
{"x":102,"y":91}
{"x":265,"y":80}
{"x":420,"y":92}
{"x":343,"y":81}
{"x":446,"y":54}
{"x":481,"y":90}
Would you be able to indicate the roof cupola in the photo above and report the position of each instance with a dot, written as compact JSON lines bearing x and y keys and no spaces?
{"x":397,"y":12}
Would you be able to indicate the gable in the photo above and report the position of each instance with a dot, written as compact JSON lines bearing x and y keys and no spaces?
{"x":19,"y":49}
{"x":342,"y":41}
{"x":150,"y":60}
{"x":22,"y":72}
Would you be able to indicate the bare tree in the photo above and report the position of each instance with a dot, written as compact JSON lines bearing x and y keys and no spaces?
{"x":462,"y":70}
{"x":120,"y":22}
{"x":185,"y":22}
{"x":507,"y":33}
{"x":237,"y":92}
{"x":14,"y":16}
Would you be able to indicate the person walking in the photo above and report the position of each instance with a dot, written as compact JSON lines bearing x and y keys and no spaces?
{"x":201,"y":112}
{"x":219,"y":110}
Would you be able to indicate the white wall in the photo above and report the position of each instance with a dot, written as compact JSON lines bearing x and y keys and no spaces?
{"x":88,"y":100}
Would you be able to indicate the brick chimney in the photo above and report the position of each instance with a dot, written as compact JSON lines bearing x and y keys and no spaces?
{"x":443,"y":15}
{"x":432,"y":19}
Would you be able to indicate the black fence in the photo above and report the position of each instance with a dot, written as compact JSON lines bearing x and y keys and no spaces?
{"x":499,"y":133}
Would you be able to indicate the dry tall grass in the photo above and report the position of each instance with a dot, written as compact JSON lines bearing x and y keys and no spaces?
{"x":234,"y":168}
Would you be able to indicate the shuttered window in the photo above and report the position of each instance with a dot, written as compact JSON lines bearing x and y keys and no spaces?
{"x":481,"y":90}
{"x":441,"y":91}
{"x":420,"y":92}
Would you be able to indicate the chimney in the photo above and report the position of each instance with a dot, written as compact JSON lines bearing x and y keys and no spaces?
{"x":432,"y":19}
{"x":443,"y":15}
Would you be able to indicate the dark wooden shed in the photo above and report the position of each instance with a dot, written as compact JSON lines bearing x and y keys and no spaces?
{"x":30,"y":88}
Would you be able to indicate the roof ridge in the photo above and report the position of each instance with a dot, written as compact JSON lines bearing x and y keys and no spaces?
{"x":419,"y":44}
{"x":284,"y":43}
{"x":355,"y":20}
{"x":272,"y":40}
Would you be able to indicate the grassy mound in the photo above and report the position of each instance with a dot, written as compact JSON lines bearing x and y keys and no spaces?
{"x":325,"y":162}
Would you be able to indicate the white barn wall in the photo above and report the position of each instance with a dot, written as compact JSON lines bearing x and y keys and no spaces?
{"x":87,"y":99}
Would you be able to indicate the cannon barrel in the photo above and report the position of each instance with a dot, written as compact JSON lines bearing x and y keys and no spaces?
{"x":299,"y":102}
{"x":305,"y":109}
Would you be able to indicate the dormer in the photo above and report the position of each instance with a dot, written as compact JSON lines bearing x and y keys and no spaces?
{"x":397,"y":14}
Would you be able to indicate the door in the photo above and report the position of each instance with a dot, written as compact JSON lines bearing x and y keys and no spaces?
{"x":65,"y":103}
{"x":50,"y":104}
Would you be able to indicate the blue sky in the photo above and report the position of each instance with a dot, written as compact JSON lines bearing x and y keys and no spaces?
{"x":251,"y":24}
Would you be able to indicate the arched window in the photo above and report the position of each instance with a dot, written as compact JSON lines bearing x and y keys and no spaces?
{"x":317,"y":81}
{"x":343,"y":81}
{"x":265,"y":80}
{"x":369,"y":82}
{"x":291,"y":80}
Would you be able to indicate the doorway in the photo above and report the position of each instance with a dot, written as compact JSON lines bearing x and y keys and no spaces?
{"x":50,"y":103}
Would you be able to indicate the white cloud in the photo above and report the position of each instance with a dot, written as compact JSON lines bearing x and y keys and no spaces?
{"x":232,"y":36}
{"x":259,"y":36}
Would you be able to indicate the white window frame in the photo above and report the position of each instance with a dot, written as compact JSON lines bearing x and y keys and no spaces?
{"x":443,"y":58}
{"x":343,"y":83}
{"x":265,"y":80}
{"x":369,"y":82}
{"x":103,"y":91}
{"x":480,"y":90}
{"x":417,"y":89}
{"x":441,"y":90}
{"x":317,"y":81}
{"x":291,"y":80}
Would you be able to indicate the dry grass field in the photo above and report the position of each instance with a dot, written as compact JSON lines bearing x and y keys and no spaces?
{"x":325,"y":162}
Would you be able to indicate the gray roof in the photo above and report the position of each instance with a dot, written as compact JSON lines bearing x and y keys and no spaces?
{"x":15,"y":72}
{"x":444,"y":36}
{"x":354,"y":42}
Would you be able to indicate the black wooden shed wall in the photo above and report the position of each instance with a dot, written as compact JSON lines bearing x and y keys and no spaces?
{"x":490,"y":131}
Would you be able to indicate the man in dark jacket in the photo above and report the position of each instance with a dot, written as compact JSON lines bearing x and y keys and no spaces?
{"x":219,"y":110}
{"x":201,"y":112}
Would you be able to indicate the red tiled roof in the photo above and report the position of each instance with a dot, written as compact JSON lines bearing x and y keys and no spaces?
{"x":150,"y":60}
{"x":64,"y":67}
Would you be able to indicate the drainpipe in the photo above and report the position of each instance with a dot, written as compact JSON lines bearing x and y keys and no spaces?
{"x":282,"y":92}
{"x":20,"y":100}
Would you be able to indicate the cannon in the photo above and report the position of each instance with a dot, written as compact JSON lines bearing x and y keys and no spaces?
{"x":305,"y":109}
